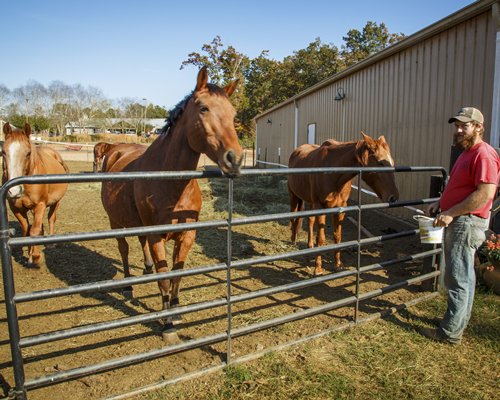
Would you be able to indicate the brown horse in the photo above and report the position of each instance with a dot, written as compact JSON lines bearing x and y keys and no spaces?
{"x":332,"y":190}
{"x":21,"y":157}
{"x":122,"y":151}
{"x":100,"y":150}
{"x":202,"y":123}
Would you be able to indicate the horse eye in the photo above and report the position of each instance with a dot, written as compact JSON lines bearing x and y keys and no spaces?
{"x":203,"y":109}
{"x":28,"y":154}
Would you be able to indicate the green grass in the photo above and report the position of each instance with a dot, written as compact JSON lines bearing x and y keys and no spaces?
{"x":386,"y":359}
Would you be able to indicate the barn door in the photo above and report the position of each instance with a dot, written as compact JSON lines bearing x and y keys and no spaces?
{"x":311,"y":134}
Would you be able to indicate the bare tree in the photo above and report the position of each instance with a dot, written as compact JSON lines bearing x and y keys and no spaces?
{"x":4,"y":99}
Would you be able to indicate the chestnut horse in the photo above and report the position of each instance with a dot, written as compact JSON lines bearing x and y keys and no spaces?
{"x":100,"y":150}
{"x":21,"y":157}
{"x":120,"y":151}
{"x":332,"y":190}
{"x":201,"y":123}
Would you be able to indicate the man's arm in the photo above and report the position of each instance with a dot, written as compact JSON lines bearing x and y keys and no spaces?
{"x":477,"y":199}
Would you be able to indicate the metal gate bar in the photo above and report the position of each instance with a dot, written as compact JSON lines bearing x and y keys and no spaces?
{"x":70,"y":374}
{"x":181,"y":310}
{"x":11,"y":299}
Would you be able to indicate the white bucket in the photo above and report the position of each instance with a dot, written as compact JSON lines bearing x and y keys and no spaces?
{"x":428,"y":233}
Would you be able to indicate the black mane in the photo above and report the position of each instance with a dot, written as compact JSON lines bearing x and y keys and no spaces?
{"x":175,"y":113}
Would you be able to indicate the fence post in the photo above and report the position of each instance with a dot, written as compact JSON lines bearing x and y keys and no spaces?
{"x":19,"y":393}
{"x":432,"y":264}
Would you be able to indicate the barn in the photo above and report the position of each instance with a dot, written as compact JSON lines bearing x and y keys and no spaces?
{"x":406,"y":92}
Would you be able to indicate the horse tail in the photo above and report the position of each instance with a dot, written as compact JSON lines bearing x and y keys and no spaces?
{"x":296,"y":205}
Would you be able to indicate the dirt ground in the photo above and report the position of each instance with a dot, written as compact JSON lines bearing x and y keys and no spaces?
{"x":92,"y":261}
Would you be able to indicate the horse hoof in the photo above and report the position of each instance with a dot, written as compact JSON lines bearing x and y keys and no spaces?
{"x":170,"y":337}
{"x":319,"y":272}
{"x":169,"y":334}
{"x":35,"y":260}
{"x":32,"y":265}
{"x":338,"y":268}
{"x":148,"y":270}
{"x":176,"y":319}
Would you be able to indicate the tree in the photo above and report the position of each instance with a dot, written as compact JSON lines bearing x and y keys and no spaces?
{"x":308,"y":66}
{"x":4,"y":98}
{"x":223,"y":66}
{"x":360,"y":45}
{"x":262,"y":89}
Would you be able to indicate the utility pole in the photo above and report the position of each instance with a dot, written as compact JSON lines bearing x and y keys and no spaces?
{"x":145,"y":113}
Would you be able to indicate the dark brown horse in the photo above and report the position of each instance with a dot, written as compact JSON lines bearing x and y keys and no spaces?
{"x":332,"y":190}
{"x":20,"y":158}
{"x":100,"y":150}
{"x":202,"y":123}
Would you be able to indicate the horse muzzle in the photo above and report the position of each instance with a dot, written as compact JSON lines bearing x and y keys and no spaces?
{"x":230,"y":164}
{"x":393,"y":198}
{"x":15,"y":192}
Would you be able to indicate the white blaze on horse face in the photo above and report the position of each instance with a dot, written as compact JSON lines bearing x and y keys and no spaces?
{"x":391,"y":161}
{"x":14,"y":168}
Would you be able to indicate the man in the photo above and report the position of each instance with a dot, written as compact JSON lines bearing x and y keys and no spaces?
{"x":464,"y":209}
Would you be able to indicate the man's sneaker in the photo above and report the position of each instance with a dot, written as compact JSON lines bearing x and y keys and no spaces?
{"x":434,"y":334}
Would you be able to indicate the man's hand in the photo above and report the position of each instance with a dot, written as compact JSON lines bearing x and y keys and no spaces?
{"x":442,"y":219}
{"x":433,"y":209}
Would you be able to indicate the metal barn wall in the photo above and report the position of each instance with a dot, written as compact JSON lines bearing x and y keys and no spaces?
{"x":407,"y":95}
{"x":275,"y":139}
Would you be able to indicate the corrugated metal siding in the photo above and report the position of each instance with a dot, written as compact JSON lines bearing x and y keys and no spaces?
{"x":407,"y":97}
{"x":276,"y":136}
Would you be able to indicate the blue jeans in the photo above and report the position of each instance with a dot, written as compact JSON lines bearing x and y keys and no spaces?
{"x":462,"y":238}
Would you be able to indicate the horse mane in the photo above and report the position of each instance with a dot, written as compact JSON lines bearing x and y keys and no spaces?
{"x":175,"y":113}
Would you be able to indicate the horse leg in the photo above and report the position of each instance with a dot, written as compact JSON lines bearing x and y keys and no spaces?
{"x":310,"y":231}
{"x":183,"y":244}
{"x":52,"y":217}
{"x":35,"y":230}
{"x":157,"y":248}
{"x":296,"y":204}
{"x":148,"y":260}
{"x":337,"y":238}
{"x":123,"y":248}
{"x":22,"y":217}
{"x":320,"y":241}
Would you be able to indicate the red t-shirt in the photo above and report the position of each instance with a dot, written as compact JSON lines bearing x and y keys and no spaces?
{"x":479,"y":164}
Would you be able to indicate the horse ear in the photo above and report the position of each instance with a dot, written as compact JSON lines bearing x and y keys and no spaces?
{"x":369,"y":141}
{"x":381,"y":139}
{"x":27,"y":129}
{"x":231,"y":87}
{"x":361,"y":152}
{"x":366,"y":138}
{"x":201,"y":81}
{"x":7,"y":129}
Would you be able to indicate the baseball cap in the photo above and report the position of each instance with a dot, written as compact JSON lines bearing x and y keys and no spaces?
{"x":468,"y":114}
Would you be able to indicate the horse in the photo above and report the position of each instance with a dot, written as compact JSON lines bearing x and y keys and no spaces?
{"x":203,"y":122}
{"x":332,"y":190}
{"x":21,"y":157}
{"x":100,"y":150}
{"x":112,"y":153}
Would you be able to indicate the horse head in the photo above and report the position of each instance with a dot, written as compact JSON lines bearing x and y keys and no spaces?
{"x":376,"y":153}
{"x":212,"y":129}
{"x":16,"y":154}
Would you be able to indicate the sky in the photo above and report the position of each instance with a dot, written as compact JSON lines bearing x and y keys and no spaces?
{"x":134,"y":48}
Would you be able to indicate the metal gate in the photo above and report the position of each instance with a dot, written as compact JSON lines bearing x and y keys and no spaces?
{"x":23,"y":385}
